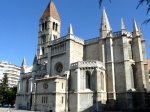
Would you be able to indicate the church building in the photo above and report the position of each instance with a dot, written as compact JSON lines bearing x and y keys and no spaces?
{"x":70,"y":74}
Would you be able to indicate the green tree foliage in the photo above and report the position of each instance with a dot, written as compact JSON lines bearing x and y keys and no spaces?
{"x":3,"y":88}
{"x":140,"y":2}
{"x":147,"y":2}
{"x":7,"y":95}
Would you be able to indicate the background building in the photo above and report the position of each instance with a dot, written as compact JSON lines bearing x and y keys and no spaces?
{"x":12,"y":71}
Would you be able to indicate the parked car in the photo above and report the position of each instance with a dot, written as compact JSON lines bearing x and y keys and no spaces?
{"x":5,"y":105}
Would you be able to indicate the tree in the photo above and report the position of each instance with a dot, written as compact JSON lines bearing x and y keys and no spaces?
{"x":7,"y":95}
{"x":147,"y":2}
{"x":3,"y":88}
{"x":140,"y":2}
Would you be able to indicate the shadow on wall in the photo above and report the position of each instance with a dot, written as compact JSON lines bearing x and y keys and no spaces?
{"x":134,"y":103}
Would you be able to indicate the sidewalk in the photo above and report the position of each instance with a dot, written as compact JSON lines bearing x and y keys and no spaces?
{"x":14,"y":110}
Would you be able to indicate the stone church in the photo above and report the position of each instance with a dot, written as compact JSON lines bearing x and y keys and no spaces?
{"x":74,"y":75}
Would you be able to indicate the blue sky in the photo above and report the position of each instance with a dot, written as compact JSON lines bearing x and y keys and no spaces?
{"x":19,"y":20}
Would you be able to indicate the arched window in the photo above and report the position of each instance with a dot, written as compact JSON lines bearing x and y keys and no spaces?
{"x":42,"y":26}
{"x":130,"y":50}
{"x":43,"y":38}
{"x":53,"y":25}
{"x":62,"y":99}
{"x":55,"y":37}
{"x":56,"y":27}
{"x":27,"y":85}
{"x":42,"y":50}
{"x":102,"y":81}
{"x":133,"y":75}
{"x":88,"y":79}
{"x":45,"y":25}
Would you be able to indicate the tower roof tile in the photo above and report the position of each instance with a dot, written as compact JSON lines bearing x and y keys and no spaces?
{"x":51,"y":11}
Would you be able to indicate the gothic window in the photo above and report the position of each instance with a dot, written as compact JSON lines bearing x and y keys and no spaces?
{"x":46,"y":99}
{"x":62,"y":85}
{"x":102,"y":81}
{"x":60,"y":48}
{"x":55,"y":37}
{"x":27,"y":85}
{"x":62,"y":100}
{"x":130,"y":49}
{"x":88,"y":79}
{"x":53,"y":25}
{"x":42,"y":99}
{"x":42,"y":26}
{"x":133,"y":75}
{"x":42,"y":50}
{"x":52,"y":50}
{"x":43,"y":38}
{"x":59,"y":67}
{"x":45,"y":85}
{"x":45,"y":25}
{"x":56,"y":25}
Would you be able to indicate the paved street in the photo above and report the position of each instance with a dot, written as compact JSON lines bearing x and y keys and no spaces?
{"x":14,"y":110}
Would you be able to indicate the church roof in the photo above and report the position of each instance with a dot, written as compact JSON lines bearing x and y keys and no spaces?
{"x":51,"y":11}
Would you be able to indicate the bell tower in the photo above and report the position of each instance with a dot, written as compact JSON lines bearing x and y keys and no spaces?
{"x":49,"y":29}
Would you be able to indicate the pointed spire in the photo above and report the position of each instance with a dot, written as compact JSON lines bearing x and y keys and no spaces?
{"x":105,"y":23}
{"x":105,"y":26}
{"x":122,"y":24}
{"x":51,"y":11}
{"x":135,"y":29}
{"x":140,"y":31}
{"x":134,"y":26}
{"x":35,"y":60}
{"x":23,"y":63}
{"x":70,"y":31}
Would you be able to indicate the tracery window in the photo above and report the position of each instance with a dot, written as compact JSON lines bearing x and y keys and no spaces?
{"x":43,"y":50}
{"x":43,"y":38}
{"x":27,"y":85}
{"x":88,"y":79}
{"x":130,"y":50}
{"x":133,"y":73}
{"x":53,"y":25}
{"x":45,"y":25}
{"x":102,"y":81}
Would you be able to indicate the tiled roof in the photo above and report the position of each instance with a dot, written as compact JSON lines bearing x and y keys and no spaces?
{"x":51,"y":11}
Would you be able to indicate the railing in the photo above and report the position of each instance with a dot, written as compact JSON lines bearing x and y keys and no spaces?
{"x":93,"y":40}
{"x":119,"y":33}
{"x":75,"y":38}
{"x":90,"y":63}
{"x":44,"y":55}
{"x":116,"y":34}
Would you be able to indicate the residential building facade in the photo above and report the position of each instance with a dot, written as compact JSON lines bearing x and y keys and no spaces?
{"x":12,"y":72}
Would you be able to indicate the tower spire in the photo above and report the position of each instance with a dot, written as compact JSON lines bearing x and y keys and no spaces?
{"x":122,"y":24}
{"x":23,"y":66}
{"x":135,"y":28}
{"x":123,"y":29}
{"x":70,"y":31}
{"x":105,"y":26}
{"x":35,"y":60}
{"x":23,"y":63}
{"x":51,"y":11}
